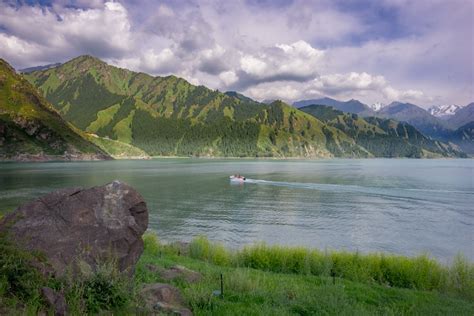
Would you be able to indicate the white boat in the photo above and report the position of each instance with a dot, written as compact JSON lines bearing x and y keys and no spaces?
{"x":237,"y":179}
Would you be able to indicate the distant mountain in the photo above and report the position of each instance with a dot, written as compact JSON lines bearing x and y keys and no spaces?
{"x":37,"y":68}
{"x":463,"y":137}
{"x":30,"y":128}
{"x":239,"y":96}
{"x":351,"y":106}
{"x":382,"y":137}
{"x":377,"y":106}
{"x":268,"y":101}
{"x":444,"y":111}
{"x":462,"y":116}
{"x":416,"y":116}
{"x":170,"y":116}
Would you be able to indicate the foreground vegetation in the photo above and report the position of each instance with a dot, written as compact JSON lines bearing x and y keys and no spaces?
{"x":258,"y":280}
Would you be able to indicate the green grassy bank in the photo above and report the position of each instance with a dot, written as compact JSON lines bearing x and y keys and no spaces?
{"x":258,"y":280}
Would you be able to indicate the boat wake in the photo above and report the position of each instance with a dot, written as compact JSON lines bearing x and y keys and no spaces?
{"x":342,"y":188}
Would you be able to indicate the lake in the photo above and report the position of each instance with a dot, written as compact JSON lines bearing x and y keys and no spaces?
{"x":400,"y":206}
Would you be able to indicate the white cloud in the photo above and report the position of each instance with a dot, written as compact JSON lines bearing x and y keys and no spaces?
{"x":362,"y":84}
{"x":298,"y":61}
{"x":336,"y":83}
{"x":275,"y":91}
{"x":228,"y":78}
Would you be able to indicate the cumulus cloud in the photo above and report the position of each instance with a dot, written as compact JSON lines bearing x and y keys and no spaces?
{"x":342,"y":86}
{"x":275,"y":91}
{"x":228,"y":78}
{"x":337,"y":83}
{"x":297,"y":61}
{"x":44,"y":34}
{"x":363,"y":84}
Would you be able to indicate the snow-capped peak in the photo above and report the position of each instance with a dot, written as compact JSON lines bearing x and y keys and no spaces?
{"x":377,"y":106}
{"x":444,"y":110}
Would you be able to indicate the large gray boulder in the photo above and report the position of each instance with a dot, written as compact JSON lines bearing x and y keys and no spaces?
{"x":77,"y":229}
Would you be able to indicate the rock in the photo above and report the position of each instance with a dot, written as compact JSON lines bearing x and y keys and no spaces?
{"x":153,"y":268}
{"x":181,"y":272}
{"x":164,"y":298}
{"x":54,"y":300}
{"x":175,"y":272}
{"x":78,"y":227}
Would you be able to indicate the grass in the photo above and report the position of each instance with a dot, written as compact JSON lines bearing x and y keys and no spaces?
{"x":285,"y":285}
{"x":419,"y":273}
{"x":115,"y":148}
{"x":258,"y":280}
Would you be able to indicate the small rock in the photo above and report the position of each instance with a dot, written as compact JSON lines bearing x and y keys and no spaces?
{"x":54,"y":300}
{"x":164,"y":298}
{"x":181,"y":272}
{"x":153,"y":268}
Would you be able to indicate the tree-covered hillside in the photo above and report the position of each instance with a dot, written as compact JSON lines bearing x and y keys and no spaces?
{"x":30,"y":128}
{"x":169,"y":116}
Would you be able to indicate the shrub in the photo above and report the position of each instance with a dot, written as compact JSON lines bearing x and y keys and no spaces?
{"x":18,"y":279}
{"x":105,"y":291}
{"x":151,"y":244}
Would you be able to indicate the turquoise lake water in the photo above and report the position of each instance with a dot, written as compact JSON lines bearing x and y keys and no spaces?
{"x":401,"y":206}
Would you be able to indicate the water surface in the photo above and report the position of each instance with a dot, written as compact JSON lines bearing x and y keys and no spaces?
{"x":394,"y":205}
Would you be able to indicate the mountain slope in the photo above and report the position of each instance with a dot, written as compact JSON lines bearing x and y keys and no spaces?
{"x":381,"y":137}
{"x":462,"y":137}
{"x":462,"y":117}
{"x":416,"y":116}
{"x":351,"y":106}
{"x":30,"y":129}
{"x":169,"y":116}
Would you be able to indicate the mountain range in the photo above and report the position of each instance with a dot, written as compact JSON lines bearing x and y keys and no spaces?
{"x":382,"y":137}
{"x":119,"y":112}
{"x":453,"y":128}
{"x":169,"y":116}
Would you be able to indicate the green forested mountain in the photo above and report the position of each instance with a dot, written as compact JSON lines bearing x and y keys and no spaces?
{"x":382,"y":137}
{"x":169,"y":116}
{"x":30,"y":128}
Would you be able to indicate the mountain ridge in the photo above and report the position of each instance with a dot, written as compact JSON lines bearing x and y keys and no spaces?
{"x":170,"y":116}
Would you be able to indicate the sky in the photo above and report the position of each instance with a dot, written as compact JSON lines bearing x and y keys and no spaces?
{"x":374,"y":51}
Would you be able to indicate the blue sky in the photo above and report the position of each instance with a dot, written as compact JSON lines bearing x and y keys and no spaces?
{"x":375,"y":51}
